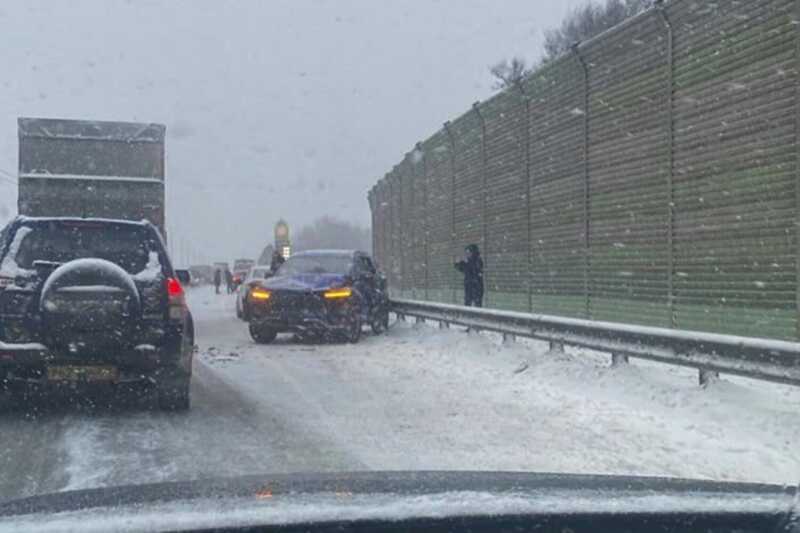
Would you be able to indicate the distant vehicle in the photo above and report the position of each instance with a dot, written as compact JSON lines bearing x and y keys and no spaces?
{"x":88,"y":168}
{"x":202,"y":274}
{"x":92,"y":301}
{"x":254,"y":277}
{"x":326,"y":293}
{"x":240,"y":269}
{"x":243,"y":264}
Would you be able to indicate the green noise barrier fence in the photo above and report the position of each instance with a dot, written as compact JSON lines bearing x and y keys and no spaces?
{"x":650,"y":177}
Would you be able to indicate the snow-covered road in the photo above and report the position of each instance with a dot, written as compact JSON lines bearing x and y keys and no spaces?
{"x":417,"y":398}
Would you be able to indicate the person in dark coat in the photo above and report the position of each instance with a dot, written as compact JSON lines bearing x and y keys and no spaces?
{"x":229,"y":280}
{"x":277,"y":261}
{"x":472,"y":268}
{"x":217,"y":280}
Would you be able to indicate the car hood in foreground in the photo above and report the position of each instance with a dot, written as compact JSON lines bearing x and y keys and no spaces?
{"x":304,"y":282}
{"x":306,"y":498}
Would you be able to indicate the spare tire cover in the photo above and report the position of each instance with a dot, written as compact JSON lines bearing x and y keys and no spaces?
{"x":89,"y":294}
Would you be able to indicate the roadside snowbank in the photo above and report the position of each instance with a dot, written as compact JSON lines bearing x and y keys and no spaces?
{"x":423,"y":398}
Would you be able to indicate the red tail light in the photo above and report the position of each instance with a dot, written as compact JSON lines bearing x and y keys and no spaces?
{"x":177,"y":300}
{"x":174,"y":287}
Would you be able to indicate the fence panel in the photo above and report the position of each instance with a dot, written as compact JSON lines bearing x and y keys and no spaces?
{"x":556,"y":139}
{"x":649,"y":176}
{"x":628,"y":167}
{"x":735,"y":167}
{"x":468,"y":197}
{"x":439,"y":175}
{"x":505,"y":251}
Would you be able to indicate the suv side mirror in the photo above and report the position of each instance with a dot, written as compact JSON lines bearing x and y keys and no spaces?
{"x":183,"y":276}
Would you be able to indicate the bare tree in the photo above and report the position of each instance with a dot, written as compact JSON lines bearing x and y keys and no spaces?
{"x":509,"y":73}
{"x":330,"y":232}
{"x":587,"y":21}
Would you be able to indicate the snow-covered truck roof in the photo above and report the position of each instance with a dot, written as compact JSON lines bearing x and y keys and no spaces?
{"x":54,"y":128}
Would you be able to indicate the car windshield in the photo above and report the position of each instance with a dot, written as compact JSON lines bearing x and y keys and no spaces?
{"x":364,"y":237}
{"x":316,"y":264}
{"x":61,"y":242}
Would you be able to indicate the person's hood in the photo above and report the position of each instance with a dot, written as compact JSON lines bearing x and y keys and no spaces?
{"x":305,"y":282}
{"x":285,"y":499}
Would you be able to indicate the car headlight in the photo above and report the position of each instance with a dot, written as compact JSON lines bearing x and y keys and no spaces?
{"x":260,"y":294}
{"x":337,"y":294}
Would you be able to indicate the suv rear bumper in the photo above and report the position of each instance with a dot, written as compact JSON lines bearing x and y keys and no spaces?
{"x":28,"y":363}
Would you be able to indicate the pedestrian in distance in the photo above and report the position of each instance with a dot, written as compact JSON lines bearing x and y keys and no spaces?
{"x":217,"y":280}
{"x":276,"y":262}
{"x":229,"y":281}
{"x":472,"y":268}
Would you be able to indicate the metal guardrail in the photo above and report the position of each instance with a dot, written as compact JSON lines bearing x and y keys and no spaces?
{"x":710,"y":353}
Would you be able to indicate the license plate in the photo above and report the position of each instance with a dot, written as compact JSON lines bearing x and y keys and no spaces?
{"x":82,"y":373}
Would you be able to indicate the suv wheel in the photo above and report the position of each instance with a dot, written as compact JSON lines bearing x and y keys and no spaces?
{"x":174,"y":395}
{"x":262,"y":334}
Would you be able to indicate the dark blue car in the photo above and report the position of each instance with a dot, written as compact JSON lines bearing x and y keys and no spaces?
{"x":321,"y":293}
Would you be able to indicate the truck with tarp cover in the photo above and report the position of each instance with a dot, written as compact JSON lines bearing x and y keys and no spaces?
{"x":87,"y":168}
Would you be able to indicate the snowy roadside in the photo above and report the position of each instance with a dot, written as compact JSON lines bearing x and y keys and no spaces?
{"x":420,"y":398}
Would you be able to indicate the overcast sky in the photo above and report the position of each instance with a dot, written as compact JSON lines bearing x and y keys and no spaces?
{"x":273,"y":108}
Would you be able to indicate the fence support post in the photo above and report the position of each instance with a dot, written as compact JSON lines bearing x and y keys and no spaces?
{"x":707,"y":376}
{"x":586,"y":192}
{"x":424,"y":219}
{"x":484,"y":195}
{"x":671,"y":164}
{"x":452,"y":142}
{"x":526,"y":138}
{"x":797,"y":194}
{"x":618,"y":359}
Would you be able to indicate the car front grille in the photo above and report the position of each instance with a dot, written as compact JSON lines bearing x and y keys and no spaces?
{"x":295,"y":302}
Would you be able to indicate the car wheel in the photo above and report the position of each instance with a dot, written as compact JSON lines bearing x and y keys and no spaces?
{"x":174,"y":395}
{"x":354,"y":327}
{"x":262,"y":334}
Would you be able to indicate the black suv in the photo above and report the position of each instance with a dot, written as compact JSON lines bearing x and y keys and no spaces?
{"x":322,"y":293}
{"x":85,"y":301}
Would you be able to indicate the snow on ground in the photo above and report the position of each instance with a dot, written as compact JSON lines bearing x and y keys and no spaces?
{"x":423,"y":398}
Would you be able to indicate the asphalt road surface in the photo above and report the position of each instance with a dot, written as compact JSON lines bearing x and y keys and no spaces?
{"x":417,"y":398}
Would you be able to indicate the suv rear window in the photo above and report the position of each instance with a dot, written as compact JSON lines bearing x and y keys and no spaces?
{"x":127,"y":246}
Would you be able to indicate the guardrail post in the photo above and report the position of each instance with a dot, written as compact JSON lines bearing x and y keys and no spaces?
{"x":707,"y":376}
{"x":556,"y":346}
{"x":618,"y":359}
{"x":443,"y":324}
{"x":509,"y":338}
{"x":419,"y":320}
